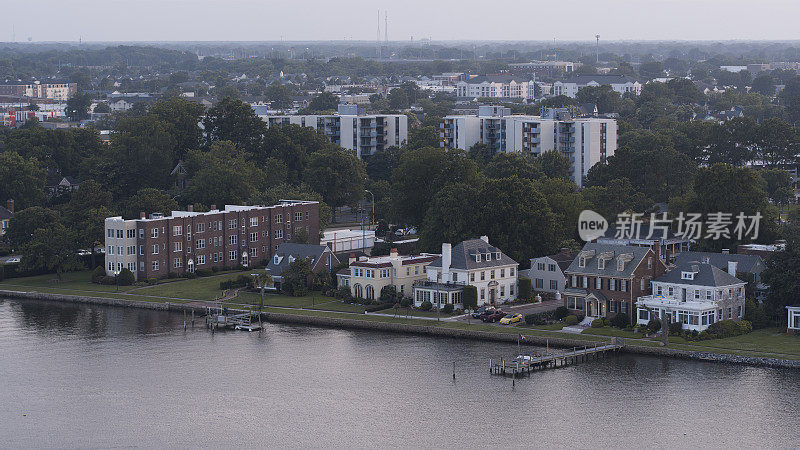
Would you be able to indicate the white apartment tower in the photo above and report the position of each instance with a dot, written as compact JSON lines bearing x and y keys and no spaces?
{"x":586,"y":141}
{"x":352,"y":129}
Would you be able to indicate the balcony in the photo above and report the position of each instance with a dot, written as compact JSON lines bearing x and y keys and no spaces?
{"x":565,"y":140}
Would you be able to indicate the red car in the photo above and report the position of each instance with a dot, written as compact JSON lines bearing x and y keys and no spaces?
{"x":494,"y":317}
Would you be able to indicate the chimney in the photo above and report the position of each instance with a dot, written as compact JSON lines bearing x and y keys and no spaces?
{"x":10,"y":204}
{"x":351,"y":259}
{"x":213,"y":207}
{"x":446,"y":259}
{"x":732,"y":268}
{"x":142,"y":215}
{"x":393,"y":253}
{"x":190,"y":208}
{"x":485,"y":239}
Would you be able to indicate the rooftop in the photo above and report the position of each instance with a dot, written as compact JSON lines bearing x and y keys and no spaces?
{"x":702,"y":275}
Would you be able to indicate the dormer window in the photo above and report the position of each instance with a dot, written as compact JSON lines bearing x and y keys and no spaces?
{"x":478,"y":258}
{"x":601,"y":263}
{"x":620,"y":265}
{"x":582,"y":262}
{"x":687,"y":275}
{"x":497,"y":256}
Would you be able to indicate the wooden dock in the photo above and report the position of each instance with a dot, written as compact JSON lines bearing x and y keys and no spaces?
{"x":525,"y":364}
{"x":217,"y":318}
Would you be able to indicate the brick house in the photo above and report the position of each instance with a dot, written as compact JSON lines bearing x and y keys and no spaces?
{"x":186,"y":241}
{"x":605,"y":280}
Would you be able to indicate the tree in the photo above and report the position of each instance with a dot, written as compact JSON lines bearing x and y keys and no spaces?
{"x":102,"y":108}
{"x":184,"y":117}
{"x":777,"y":142}
{"x":296,"y":278}
{"x":273,"y":194}
{"x":52,"y":249}
{"x":616,"y":196}
{"x":279,"y":95}
{"x":790,"y":98}
{"x":21,"y":179}
{"x":324,"y":101}
{"x":235,"y":121}
{"x":148,"y":201}
{"x":25,"y":222}
{"x":223,"y":174}
{"x":782,"y":275}
{"x":398,"y":99}
{"x":469,"y":297}
{"x":764,"y":84}
{"x":505,"y":165}
{"x":525,"y":289}
{"x":423,"y":137}
{"x":555,"y":164}
{"x":606,"y":99}
{"x":380,"y":164}
{"x":481,"y":153}
{"x":423,"y":172}
{"x":77,"y":107}
{"x":652,"y":69}
{"x":142,"y":154}
{"x":388,"y":294}
{"x":86,"y":212}
{"x":451,"y":216}
{"x":337,"y":175}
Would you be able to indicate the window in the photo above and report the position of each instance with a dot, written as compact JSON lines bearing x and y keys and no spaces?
{"x":598,"y":283}
{"x":644,"y":314}
{"x":178,"y":246}
{"x":200,"y":244}
{"x":298,"y":216}
{"x":620,"y":265}
{"x":553,"y":285}
{"x":279,"y":219}
{"x":624,"y":286}
{"x":131,"y":233}
{"x":141,"y":250}
{"x":141,"y":233}
{"x":612,"y":284}
{"x":254,"y":221}
{"x":254,"y":252}
{"x":540,"y":266}
{"x":483,"y":293}
{"x":539,"y":283}
{"x":201,"y":260}
{"x":739,"y":310}
{"x":483,"y":275}
{"x":502,"y":291}
{"x":358,"y":291}
{"x":601,"y":263}
{"x":110,"y":233}
{"x":155,"y":265}
{"x":119,"y":234}
{"x":511,"y":272}
{"x":582,"y":261}
{"x":232,"y":239}
{"x":154,"y":233}
{"x":502,"y":273}
{"x":178,"y":263}
{"x":649,"y":263}
{"x":232,"y":255}
{"x":670,"y":291}
{"x":177,"y":230}
{"x":551,"y":267}
{"x":472,"y":276}
{"x":155,"y":249}
{"x":370,"y":292}
{"x":492,"y":274}
{"x":585,"y":282}
{"x":278,"y":234}
{"x":201,"y":227}
{"x":232,"y":224}
{"x":254,"y":237}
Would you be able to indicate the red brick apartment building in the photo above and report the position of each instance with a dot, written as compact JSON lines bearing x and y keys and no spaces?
{"x":186,"y":241}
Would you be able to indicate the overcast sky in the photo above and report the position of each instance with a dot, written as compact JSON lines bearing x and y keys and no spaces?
{"x":261,"y":20}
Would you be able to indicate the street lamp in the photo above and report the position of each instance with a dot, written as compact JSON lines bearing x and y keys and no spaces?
{"x":373,"y":204}
{"x":116,"y":278}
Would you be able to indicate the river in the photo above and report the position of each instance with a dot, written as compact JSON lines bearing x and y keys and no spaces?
{"x":93,"y":376}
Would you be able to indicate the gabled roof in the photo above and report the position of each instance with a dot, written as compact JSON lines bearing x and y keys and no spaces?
{"x":705,"y":275}
{"x":600,"y":79}
{"x":744,"y":263}
{"x":5,"y":213}
{"x":632,"y":256}
{"x":496,"y":79}
{"x":563,"y":258}
{"x":296,"y":251}
{"x":463,"y":256}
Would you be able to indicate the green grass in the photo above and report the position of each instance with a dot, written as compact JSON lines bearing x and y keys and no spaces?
{"x":773,"y":340}
{"x":71,"y":280}
{"x":309,"y":302}
{"x":413,"y":313}
{"x":612,"y":332}
{"x":206,"y":288}
{"x":552,"y":326}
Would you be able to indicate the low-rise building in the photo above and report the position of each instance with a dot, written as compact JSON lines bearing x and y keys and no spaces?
{"x":320,"y":259}
{"x":54,"y":91}
{"x":367,"y":276}
{"x":619,"y":83}
{"x":473,"y":262}
{"x":694,"y":294}
{"x":547,"y":272}
{"x":606,"y":280}
{"x":744,"y":266}
{"x":496,"y":86}
{"x":793,"y":324}
{"x":186,"y":241}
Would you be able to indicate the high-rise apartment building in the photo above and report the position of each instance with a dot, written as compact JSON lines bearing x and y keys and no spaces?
{"x":586,"y":141}
{"x":352,"y":128}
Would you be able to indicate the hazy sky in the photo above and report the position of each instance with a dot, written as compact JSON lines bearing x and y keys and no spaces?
{"x":260,"y":20}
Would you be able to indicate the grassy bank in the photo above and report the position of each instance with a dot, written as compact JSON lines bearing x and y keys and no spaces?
{"x":773,"y":343}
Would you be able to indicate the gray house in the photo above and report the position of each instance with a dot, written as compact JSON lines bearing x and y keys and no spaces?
{"x":320,"y":257}
{"x":747,"y":267}
{"x":547,"y":272}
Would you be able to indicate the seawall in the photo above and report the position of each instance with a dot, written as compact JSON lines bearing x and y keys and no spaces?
{"x":357,"y":324}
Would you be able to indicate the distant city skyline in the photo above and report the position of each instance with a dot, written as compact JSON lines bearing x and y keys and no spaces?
{"x":313,"y":20}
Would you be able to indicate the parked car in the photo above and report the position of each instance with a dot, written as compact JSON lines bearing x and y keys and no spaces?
{"x":482,"y":310}
{"x":494,"y":317}
{"x":514,"y":318}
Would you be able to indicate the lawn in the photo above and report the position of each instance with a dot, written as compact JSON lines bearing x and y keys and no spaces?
{"x":612,"y":332}
{"x":552,"y":326}
{"x":308,"y":302}
{"x":772,"y":340}
{"x":412,"y":312}
{"x":70,"y":281}
{"x":206,"y":288}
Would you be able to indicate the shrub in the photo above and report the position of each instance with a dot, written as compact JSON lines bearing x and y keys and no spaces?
{"x":204,"y":272}
{"x":343,"y":293}
{"x":571,"y":319}
{"x":426,"y":305}
{"x":126,"y":278}
{"x":675,"y":328}
{"x":542,"y":318}
{"x":108,"y":280}
{"x":447,"y":308}
{"x":406,"y":302}
{"x":755,"y":314}
{"x":469,"y":297}
{"x":377,"y":307}
{"x":653,"y":325}
{"x":621,"y":320}
{"x":98,"y":273}
{"x":525,"y":289}
{"x":388,"y":294}
{"x":152,"y":281}
{"x":189,"y":275}
{"x":598,"y":323}
{"x":560,"y":313}
{"x":172,"y":275}
{"x":215,"y":269}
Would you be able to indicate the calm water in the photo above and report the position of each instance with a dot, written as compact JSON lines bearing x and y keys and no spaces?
{"x":87,"y":376}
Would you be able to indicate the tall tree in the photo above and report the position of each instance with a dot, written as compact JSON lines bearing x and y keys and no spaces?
{"x":77,"y":107}
{"x":52,"y":249}
{"x":337,"y":175}
{"x":223,"y":174}
{"x":184,"y":117}
{"x":423,"y":137}
{"x":555,"y":164}
{"x":142,"y":154}
{"x":28,"y":220}
{"x":148,"y":201}
{"x":21,"y":179}
{"x":235,"y":121}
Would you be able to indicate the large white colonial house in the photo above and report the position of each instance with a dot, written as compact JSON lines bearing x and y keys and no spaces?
{"x":473,"y":262}
{"x":696,"y":295}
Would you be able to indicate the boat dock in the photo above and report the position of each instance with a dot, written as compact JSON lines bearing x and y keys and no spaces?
{"x":525,"y":364}
{"x":220,"y":318}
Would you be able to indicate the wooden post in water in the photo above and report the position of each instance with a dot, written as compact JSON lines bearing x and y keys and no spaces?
{"x":192,"y":318}
{"x":454,"y":370}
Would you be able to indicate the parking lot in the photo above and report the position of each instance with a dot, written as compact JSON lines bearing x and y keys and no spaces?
{"x":527,"y":308}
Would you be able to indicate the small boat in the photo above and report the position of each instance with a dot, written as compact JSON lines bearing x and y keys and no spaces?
{"x":248,"y":327}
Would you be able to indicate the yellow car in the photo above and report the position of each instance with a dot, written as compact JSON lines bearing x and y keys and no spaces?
{"x":513,"y":318}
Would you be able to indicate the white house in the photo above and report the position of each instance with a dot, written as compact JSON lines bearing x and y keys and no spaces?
{"x":473,"y":262}
{"x":794,"y":318}
{"x":618,"y":83}
{"x":696,"y":295}
{"x":547,"y":272}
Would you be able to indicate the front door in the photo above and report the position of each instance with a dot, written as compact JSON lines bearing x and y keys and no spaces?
{"x":589,"y":308}
{"x":492,"y":293}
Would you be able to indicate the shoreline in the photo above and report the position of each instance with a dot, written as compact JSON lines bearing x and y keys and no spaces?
{"x":404,"y":328}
